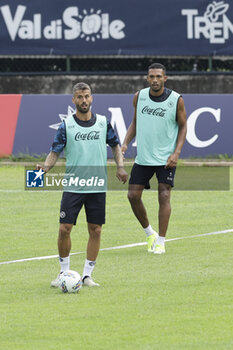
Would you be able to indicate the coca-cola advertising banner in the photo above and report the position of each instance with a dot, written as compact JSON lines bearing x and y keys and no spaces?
{"x":150,"y":27}
{"x":29,"y":122}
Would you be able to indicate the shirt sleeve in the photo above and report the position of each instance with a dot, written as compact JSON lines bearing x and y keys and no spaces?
{"x":111,"y":139}
{"x":59,"y":141}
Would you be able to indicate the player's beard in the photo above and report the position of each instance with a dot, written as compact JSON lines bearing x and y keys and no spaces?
{"x":157,"y":87}
{"x":83,"y":109}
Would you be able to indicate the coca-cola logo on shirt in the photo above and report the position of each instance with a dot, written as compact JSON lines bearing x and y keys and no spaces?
{"x":159,"y":112}
{"x":92,"y":135}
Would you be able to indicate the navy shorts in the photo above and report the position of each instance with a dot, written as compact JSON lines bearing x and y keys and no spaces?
{"x":94,"y":204}
{"x":141,"y":175}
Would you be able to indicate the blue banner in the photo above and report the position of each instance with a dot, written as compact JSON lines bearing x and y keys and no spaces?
{"x":149,"y":27}
{"x":210,"y":122}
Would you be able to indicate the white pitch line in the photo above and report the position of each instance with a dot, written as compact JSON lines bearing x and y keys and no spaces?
{"x":118,"y":247}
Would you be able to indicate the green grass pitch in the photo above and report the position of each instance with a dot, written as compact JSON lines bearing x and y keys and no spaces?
{"x":181,"y":300}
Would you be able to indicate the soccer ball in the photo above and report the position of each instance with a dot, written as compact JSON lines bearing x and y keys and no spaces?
{"x":70,"y":282}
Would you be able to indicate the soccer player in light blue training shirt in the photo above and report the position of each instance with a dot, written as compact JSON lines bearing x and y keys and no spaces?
{"x":159,"y":124}
{"x":83,"y":137}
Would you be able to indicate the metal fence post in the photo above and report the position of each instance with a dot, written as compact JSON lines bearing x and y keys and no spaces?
{"x":67,"y":64}
{"x":210,"y":63}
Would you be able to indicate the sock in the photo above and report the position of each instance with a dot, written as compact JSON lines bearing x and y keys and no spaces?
{"x":88,"y":267}
{"x":64,"y":263}
{"x":149,"y":231}
{"x":160,"y":240}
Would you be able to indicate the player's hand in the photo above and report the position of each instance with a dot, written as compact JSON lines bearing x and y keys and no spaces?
{"x":172,"y":161}
{"x":122,"y":175}
{"x":38,"y":167}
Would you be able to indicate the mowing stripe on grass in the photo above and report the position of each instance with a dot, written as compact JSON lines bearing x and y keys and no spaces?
{"x":118,"y":247}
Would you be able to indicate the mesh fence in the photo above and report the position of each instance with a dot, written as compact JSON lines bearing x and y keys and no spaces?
{"x":112,"y":65}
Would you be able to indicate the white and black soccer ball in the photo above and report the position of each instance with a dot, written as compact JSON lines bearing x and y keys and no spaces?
{"x":70,"y":282}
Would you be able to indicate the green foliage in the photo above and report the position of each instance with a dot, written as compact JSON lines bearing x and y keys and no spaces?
{"x":225,"y":157}
{"x":22,"y":157}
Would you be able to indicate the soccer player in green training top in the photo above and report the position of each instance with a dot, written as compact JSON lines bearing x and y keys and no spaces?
{"x":84,"y":137}
{"x":159,"y":124}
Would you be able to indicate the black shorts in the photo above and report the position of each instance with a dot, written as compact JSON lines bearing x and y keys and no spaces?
{"x":94,"y":204}
{"x":141,"y":175}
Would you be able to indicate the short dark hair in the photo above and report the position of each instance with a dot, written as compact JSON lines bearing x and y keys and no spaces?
{"x":81,"y":86}
{"x":157,"y":66}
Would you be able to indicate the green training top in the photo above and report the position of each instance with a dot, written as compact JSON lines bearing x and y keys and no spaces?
{"x":86,"y":156}
{"x":156,"y":128}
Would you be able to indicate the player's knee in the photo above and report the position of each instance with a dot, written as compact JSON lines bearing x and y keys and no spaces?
{"x":95,"y":230}
{"x":65,"y":230}
{"x":133,"y":196}
{"x":164,"y":197}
